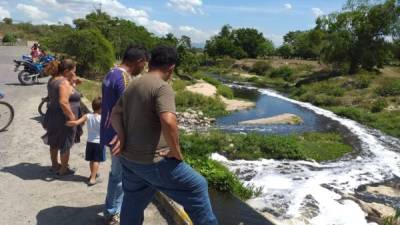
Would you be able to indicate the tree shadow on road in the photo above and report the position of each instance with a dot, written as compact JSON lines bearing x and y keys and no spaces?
{"x":19,"y":84}
{"x":14,"y":84}
{"x":34,"y":171}
{"x":64,"y":215}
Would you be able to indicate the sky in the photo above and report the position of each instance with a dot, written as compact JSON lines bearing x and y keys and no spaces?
{"x":198,"y":19}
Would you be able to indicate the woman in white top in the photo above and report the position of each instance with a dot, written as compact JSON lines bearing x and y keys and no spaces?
{"x":95,"y":153}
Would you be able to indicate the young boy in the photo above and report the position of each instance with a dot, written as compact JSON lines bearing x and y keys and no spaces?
{"x":95,"y":153}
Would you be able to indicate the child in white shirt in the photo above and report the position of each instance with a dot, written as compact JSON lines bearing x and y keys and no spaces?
{"x":95,"y":153}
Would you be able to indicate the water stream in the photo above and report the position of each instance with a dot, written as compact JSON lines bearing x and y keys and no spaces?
{"x":310,"y":192}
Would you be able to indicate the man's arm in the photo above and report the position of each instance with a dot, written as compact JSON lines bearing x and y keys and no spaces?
{"x":169,"y":127}
{"x":117,"y":124}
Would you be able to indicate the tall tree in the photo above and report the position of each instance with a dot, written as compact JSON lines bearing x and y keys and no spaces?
{"x":357,"y":36}
{"x":7,"y":20}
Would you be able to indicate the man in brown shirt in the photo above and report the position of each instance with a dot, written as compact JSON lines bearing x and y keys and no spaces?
{"x":145,"y":121}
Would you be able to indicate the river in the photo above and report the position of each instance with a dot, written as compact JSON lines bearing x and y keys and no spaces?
{"x":307,"y":192}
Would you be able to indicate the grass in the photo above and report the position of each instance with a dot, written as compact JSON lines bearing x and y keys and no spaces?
{"x":307,"y":146}
{"x":386,"y":121}
{"x":198,"y":147}
{"x":210,"y":106}
{"x":90,"y":89}
{"x":220,"y":178}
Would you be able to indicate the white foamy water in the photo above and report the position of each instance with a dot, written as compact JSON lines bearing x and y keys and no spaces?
{"x":313,"y":191}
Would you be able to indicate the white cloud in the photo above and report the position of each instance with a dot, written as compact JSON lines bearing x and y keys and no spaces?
{"x":67,"y":20}
{"x":33,"y":12}
{"x":4,"y":13}
{"x":277,"y":39}
{"x":197,"y":35}
{"x":48,"y":3}
{"x":159,"y":27}
{"x":317,"y":12}
{"x":288,"y":6}
{"x":79,"y":8}
{"x":192,"y":6}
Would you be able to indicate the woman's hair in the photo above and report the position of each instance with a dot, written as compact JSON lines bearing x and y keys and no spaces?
{"x":66,"y":64}
{"x":52,"y":68}
{"x":96,"y":104}
{"x":57,"y":67}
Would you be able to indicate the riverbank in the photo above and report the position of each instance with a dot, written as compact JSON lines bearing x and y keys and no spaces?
{"x":370,"y":98}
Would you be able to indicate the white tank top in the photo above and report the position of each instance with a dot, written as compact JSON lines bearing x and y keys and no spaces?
{"x":93,"y":127}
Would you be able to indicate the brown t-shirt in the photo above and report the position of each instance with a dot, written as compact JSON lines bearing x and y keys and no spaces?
{"x":141,"y":103}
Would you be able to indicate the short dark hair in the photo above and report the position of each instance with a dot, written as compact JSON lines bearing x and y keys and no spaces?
{"x":96,"y":104}
{"x":163,"y":55}
{"x":134,"y":53}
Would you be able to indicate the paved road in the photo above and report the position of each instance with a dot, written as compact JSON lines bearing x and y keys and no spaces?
{"x":28,"y":192}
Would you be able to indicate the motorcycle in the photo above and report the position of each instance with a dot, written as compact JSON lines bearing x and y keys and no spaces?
{"x":32,"y":71}
{"x":6,"y":113}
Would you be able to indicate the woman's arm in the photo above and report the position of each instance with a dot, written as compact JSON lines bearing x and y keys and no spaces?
{"x":65,"y":93}
{"x":77,"y":122}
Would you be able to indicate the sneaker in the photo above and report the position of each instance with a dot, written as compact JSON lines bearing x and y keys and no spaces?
{"x":113,"y":220}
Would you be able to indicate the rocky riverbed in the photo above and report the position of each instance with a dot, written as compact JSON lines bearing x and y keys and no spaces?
{"x":192,"y":120}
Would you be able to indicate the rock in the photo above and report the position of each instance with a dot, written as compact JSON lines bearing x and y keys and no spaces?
{"x":286,"y":118}
{"x":376,"y":212}
{"x":384,"y":190}
{"x":192,"y":120}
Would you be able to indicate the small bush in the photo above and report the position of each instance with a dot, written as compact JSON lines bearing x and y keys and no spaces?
{"x":283,"y":72}
{"x":226,"y":62}
{"x":9,"y":38}
{"x":261,"y":67}
{"x":252,"y":79}
{"x":211,"y":80}
{"x":179,"y":85}
{"x":92,"y":51}
{"x":379,"y":105}
{"x":390,"y":87}
{"x":210,"y":106}
{"x":328,"y":88}
{"x":225,"y":91}
{"x":362,"y":81}
{"x":355,"y":114}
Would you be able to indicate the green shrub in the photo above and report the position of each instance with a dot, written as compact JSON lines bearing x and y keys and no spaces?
{"x":220,"y":178}
{"x":252,"y":79}
{"x":255,"y":146}
{"x":210,"y":106}
{"x":362,"y":81}
{"x":225,"y":91}
{"x":328,"y":88}
{"x":283,"y":72}
{"x":9,"y":38}
{"x":211,"y":80}
{"x":379,"y":105}
{"x":179,"y":85}
{"x":390,"y":87}
{"x":354,"y":113}
{"x":261,"y":67}
{"x":92,"y":51}
{"x":226,"y":62}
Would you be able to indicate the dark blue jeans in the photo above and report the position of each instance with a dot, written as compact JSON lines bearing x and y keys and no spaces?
{"x":174,"y":178}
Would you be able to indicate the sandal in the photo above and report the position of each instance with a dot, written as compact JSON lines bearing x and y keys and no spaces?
{"x":89,"y":184}
{"x":54,"y":170}
{"x":67,"y":173}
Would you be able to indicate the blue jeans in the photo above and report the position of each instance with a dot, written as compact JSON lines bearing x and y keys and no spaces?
{"x":115,"y":193}
{"x":174,"y":178}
